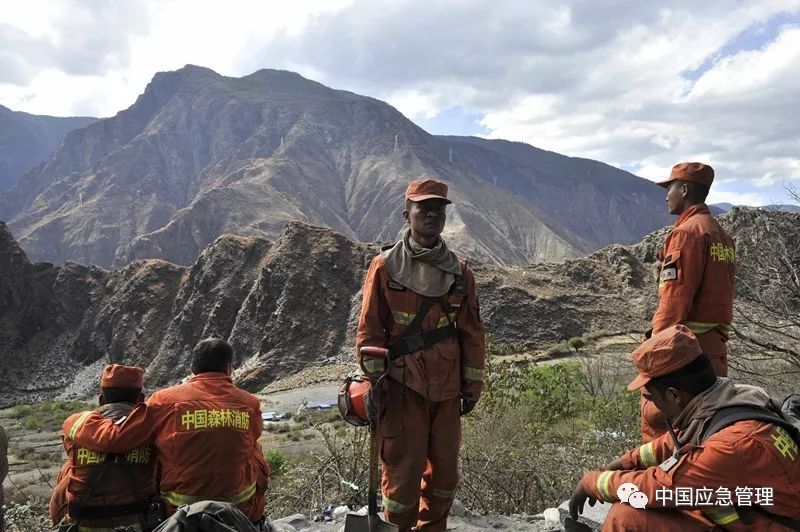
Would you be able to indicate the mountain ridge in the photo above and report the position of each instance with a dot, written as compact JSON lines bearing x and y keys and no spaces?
{"x":294,"y":301}
{"x":199,"y":155}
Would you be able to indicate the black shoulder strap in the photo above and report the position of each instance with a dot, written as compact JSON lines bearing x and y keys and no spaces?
{"x":725,"y":417}
{"x":406,"y":343}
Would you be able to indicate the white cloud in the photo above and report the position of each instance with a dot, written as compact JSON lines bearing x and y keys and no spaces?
{"x":738,"y":198}
{"x":645,"y":84}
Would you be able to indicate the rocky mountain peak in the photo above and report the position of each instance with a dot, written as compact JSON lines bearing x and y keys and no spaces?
{"x":199,"y":155}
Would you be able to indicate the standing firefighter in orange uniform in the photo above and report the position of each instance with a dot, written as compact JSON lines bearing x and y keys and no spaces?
{"x":206,"y":432}
{"x":101,"y":491}
{"x":734,"y":463}
{"x":697,"y":274}
{"x":420,"y":301}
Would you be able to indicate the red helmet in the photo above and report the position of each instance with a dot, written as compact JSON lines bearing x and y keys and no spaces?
{"x":355,"y":396}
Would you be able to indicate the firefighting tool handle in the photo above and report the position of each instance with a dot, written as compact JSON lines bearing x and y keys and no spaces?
{"x":374,"y":442}
{"x":372,"y":497}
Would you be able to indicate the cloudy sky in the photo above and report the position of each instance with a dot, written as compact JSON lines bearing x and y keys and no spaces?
{"x":640,"y":85}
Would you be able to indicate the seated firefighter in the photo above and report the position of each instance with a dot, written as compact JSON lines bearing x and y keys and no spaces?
{"x":102,"y":491}
{"x":206,"y":432}
{"x":713,"y":473}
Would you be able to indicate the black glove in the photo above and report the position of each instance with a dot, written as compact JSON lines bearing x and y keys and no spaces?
{"x":467,"y":405}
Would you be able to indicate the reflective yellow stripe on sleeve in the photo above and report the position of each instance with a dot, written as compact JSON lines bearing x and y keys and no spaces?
{"x":647,"y":455}
{"x":394,"y":506}
{"x":78,"y":423}
{"x":722,"y":515}
{"x":472,"y":374}
{"x":699,"y":327}
{"x":374,"y":365}
{"x":604,"y":484}
{"x":179,"y":499}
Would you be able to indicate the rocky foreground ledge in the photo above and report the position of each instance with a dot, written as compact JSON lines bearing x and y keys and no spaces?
{"x":462,"y":520}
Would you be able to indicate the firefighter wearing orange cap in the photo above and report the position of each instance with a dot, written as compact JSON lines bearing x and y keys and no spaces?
{"x":100,"y":491}
{"x":697,"y":275}
{"x":206,"y":432}
{"x":745,"y":475}
{"x":420,"y":301}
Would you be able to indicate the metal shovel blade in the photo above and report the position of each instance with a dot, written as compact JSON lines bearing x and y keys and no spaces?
{"x":354,"y":522}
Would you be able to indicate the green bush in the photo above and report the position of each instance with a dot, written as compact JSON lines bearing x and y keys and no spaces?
{"x":277,"y":462}
{"x":48,"y":415}
{"x":537,"y":429}
{"x":577,"y":343}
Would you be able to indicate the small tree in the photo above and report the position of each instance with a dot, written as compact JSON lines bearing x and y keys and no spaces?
{"x":577,"y":343}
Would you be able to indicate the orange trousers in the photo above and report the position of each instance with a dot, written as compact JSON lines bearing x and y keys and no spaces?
{"x":653,"y":423}
{"x":625,"y":518}
{"x":420,"y":440}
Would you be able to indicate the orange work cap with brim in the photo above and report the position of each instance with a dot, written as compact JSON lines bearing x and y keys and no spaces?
{"x":119,"y":376}
{"x":667,"y":351}
{"x":425,"y":189}
{"x":696,"y":172}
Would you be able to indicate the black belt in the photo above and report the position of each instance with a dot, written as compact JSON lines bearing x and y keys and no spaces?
{"x":106,"y":512}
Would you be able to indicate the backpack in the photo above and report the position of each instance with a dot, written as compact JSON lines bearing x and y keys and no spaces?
{"x":785,"y":415}
{"x":209,"y":516}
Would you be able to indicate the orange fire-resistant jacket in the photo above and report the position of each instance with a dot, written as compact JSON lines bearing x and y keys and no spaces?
{"x":749,"y":461}
{"x":443,"y":371}
{"x":206,"y":432}
{"x":697,"y":273}
{"x":128,"y":479}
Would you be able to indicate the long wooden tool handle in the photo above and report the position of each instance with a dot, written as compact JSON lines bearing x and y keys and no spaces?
{"x":374,"y":447}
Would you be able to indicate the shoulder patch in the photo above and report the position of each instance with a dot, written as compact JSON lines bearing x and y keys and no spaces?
{"x":394,"y":285}
{"x":669,"y":273}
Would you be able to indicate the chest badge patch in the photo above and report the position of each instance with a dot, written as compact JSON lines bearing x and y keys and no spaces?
{"x":669,"y":273}
{"x":668,"y":464}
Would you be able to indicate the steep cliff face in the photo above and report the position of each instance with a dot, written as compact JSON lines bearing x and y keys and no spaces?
{"x":200,"y":155}
{"x":293,"y":302}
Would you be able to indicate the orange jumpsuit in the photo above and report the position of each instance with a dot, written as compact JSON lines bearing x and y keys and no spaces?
{"x":206,"y":432}
{"x":747,"y":456}
{"x":420,"y":424}
{"x":695,"y":289}
{"x":121,"y":485}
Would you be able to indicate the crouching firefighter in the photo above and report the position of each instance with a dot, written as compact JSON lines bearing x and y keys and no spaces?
{"x":420,"y":302}
{"x":97,"y":491}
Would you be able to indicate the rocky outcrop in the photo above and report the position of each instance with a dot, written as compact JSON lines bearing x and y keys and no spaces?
{"x":199,"y":155}
{"x":295,"y":301}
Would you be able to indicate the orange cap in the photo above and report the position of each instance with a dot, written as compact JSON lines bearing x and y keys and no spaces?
{"x":697,"y":172}
{"x":424,"y":189}
{"x":667,"y":351}
{"x":119,"y":376}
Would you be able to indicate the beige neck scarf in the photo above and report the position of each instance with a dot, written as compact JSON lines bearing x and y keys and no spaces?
{"x":428,"y":272}
{"x":695,"y":415}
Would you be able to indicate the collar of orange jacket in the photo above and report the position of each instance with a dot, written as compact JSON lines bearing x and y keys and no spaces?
{"x":700,"y":208}
{"x":211,"y":375}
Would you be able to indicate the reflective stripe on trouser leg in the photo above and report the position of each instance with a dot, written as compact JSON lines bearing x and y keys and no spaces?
{"x":440,"y":478}
{"x":403,"y":451}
